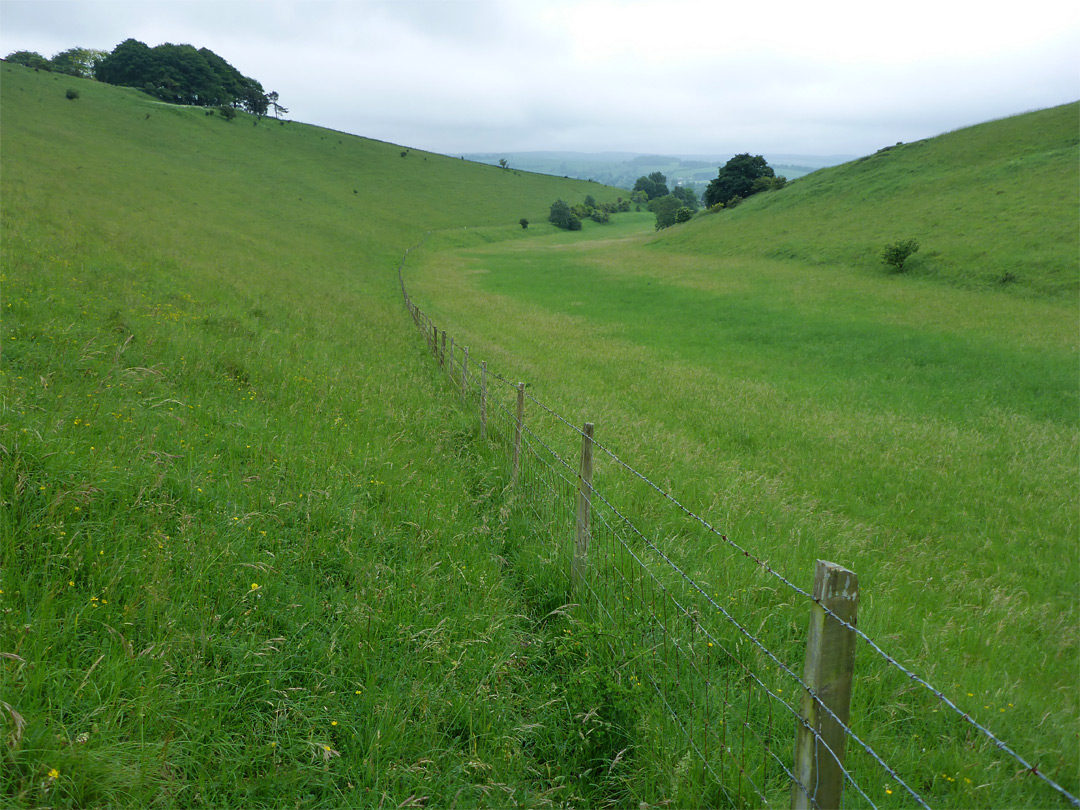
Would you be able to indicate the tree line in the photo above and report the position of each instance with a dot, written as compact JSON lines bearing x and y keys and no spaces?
{"x":739,"y":178}
{"x":178,"y":74}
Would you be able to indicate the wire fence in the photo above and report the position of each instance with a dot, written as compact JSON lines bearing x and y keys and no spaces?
{"x":717,"y":639}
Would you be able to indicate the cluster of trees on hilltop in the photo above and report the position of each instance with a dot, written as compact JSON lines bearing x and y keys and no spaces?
{"x":569,"y":217}
{"x":178,"y":74}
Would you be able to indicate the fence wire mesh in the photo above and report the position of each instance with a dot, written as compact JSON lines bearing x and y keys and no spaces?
{"x":716,"y":636}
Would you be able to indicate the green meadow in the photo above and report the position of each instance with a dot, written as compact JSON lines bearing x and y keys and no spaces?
{"x":253,"y":551}
{"x":918,"y":428}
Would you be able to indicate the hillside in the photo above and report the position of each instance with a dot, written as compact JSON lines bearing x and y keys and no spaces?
{"x":245,"y":551}
{"x":994,"y":205}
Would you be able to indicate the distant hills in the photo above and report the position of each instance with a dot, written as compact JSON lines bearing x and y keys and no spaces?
{"x":622,"y":169}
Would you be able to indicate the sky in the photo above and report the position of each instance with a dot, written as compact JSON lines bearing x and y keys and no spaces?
{"x":677,"y":77}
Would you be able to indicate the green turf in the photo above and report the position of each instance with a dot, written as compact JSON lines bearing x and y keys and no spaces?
{"x":919,"y":428}
{"x":249,"y":554}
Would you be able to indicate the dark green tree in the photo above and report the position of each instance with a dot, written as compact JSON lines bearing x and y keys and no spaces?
{"x":131,"y":64}
{"x":182,"y":74}
{"x":560,"y":214}
{"x":736,"y":179}
{"x":654,"y":185}
{"x":688,"y":197}
{"x":666,"y":209}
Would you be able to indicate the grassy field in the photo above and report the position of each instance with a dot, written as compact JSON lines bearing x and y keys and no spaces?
{"x":252,"y":553}
{"x":919,"y":428}
{"x":248,"y":553}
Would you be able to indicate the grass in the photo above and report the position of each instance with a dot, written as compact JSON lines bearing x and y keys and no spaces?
{"x":991,"y":205}
{"x":249,"y":555}
{"x":920,"y":429}
{"x":252,"y":552}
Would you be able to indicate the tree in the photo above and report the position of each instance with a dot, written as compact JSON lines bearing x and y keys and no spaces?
{"x":688,"y":197}
{"x":684,"y":214}
{"x":524,"y":223}
{"x":560,"y":214}
{"x":654,"y":185}
{"x":666,"y":209}
{"x":81,"y":62}
{"x":272,"y":97}
{"x":180,"y":74}
{"x":30,"y":59}
{"x":737,"y":178}
{"x":130,"y":64}
{"x":503,"y":164}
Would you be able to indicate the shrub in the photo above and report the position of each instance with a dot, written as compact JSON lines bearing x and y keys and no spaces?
{"x":684,"y":214}
{"x":524,"y":223}
{"x":72,"y":94}
{"x":896,"y":253}
{"x":227,"y":112}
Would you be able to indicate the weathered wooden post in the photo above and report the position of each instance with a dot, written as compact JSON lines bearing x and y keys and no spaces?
{"x":483,"y":399}
{"x":464,"y":372}
{"x":517,"y":432}
{"x":830,"y":666}
{"x":435,"y":340}
{"x":584,"y":508}
{"x":442,"y":351}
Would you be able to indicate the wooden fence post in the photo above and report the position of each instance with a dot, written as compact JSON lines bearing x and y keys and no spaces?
{"x":517,"y":432}
{"x":442,"y":352}
{"x":483,"y":399}
{"x":830,"y":665}
{"x":464,"y":372}
{"x":435,"y":340}
{"x":584,"y":508}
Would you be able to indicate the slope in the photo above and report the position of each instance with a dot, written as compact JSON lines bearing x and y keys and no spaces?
{"x":992,"y":205}
{"x":244,"y":552}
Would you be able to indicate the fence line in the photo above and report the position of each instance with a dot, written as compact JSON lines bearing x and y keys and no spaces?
{"x":676,"y":657}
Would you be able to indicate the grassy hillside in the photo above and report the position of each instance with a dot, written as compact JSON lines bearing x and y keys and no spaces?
{"x":247,"y":555}
{"x":919,"y":428}
{"x":992,"y":205}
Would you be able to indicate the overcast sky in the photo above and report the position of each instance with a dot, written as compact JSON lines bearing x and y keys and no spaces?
{"x":657,"y":76}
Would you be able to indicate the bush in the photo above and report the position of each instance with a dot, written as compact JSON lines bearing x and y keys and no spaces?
{"x":684,"y":214}
{"x":227,"y":112}
{"x":71,"y":94}
{"x":523,"y":222}
{"x":896,"y":253}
